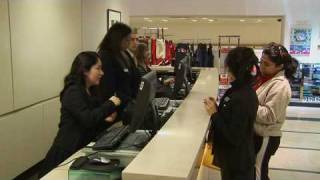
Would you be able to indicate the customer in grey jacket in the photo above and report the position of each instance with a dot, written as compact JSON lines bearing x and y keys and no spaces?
{"x":274,"y":93}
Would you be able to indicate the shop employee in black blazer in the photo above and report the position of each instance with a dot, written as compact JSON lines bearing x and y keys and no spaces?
{"x":142,"y":55}
{"x":122,"y":77}
{"x":83,"y":115}
{"x":233,"y":120}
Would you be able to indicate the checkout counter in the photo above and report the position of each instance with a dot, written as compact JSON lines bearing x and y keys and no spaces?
{"x":175,"y":152}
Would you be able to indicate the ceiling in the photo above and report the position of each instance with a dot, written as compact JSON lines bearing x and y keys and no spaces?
{"x":162,"y":21}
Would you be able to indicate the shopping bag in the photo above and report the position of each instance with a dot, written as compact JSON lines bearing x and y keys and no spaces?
{"x":207,"y":158}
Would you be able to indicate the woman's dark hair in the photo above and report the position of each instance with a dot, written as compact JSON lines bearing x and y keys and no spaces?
{"x":279,"y":55}
{"x":140,"y":53}
{"x":241,"y":61}
{"x":112,"y":40}
{"x":81,"y":64}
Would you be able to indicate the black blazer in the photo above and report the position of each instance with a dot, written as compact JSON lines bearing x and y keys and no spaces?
{"x":143,"y":71}
{"x":232,"y":126}
{"x":82,"y":118}
{"x":121,"y":77}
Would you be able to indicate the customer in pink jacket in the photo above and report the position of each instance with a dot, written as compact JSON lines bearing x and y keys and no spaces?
{"x":277,"y":67}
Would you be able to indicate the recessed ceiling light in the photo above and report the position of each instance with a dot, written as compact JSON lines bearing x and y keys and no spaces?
{"x":149,"y":20}
{"x":164,"y":20}
{"x":210,"y":20}
{"x":146,"y":18}
{"x":204,"y":18}
{"x":194,"y":20}
{"x":259,"y":20}
{"x":242,"y":20}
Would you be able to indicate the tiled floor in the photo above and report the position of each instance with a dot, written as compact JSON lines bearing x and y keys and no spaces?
{"x":298,"y":157}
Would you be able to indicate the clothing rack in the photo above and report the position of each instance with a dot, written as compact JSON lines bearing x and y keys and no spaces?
{"x":196,"y":41}
{"x":158,"y":32}
{"x":229,"y":38}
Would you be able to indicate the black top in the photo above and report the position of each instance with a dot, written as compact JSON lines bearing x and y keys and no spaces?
{"x":143,"y":71}
{"x":121,"y":77}
{"x":232,"y":127}
{"x":82,"y":118}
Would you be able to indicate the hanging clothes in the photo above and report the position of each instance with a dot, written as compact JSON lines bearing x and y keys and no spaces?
{"x":153,"y":51}
{"x":202,"y":55}
{"x":173,"y":50}
{"x":210,"y":56}
{"x":169,"y":52}
{"x":160,"y":51}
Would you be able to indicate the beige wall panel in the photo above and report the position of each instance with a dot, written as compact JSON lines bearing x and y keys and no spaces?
{"x":46,"y":36}
{"x":6,"y":94}
{"x":51,"y":119}
{"x":21,"y":140}
{"x":95,"y":19}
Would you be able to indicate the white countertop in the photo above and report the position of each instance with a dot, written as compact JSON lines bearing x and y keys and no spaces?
{"x":171,"y":69}
{"x":173,"y":153}
{"x":61,"y":173}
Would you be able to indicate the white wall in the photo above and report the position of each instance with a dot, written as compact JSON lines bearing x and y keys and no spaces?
{"x":250,"y":33}
{"x":294,"y":11}
{"x":46,"y":36}
{"x":95,"y":20}
{"x":205,"y":7}
{"x":6,"y":93}
{"x":43,"y":37}
{"x":304,"y":13}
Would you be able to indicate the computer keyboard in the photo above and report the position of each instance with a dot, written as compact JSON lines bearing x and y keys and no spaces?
{"x":162,"y":103}
{"x":112,"y":138}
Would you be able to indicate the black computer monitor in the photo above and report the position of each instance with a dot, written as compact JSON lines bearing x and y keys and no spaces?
{"x":189,"y":69}
{"x":181,"y":78}
{"x":186,"y":57}
{"x":144,"y":103}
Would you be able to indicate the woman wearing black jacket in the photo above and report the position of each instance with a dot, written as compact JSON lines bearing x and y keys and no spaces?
{"x":121,"y":74}
{"x":83,"y":115}
{"x":163,"y":86}
{"x":232,"y":121}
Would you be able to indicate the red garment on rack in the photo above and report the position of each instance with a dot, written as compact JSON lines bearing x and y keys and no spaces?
{"x":173,"y":50}
{"x":153,"y":51}
{"x":168,"y":52}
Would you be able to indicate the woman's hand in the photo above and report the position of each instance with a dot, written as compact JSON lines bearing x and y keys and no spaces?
{"x":111,"y":118}
{"x":168,"y":81}
{"x":210,"y":105}
{"x":115,"y":100}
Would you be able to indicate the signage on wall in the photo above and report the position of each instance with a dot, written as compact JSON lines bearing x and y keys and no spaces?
{"x":113,"y":17}
{"x":300,"y":41}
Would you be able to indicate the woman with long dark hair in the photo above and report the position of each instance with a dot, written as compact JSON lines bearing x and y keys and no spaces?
{"x":122,"y":76}
{"x":277,"y":67}
{"x":83,"y":115}
{"x":163,"y":86}
{"x":232,"y":122}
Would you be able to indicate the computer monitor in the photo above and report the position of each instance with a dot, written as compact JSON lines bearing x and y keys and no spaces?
{"x":189,"y":69}
{"x":144,"y":103}
{"x":181,"y":78}
{"x":184,"y":55}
